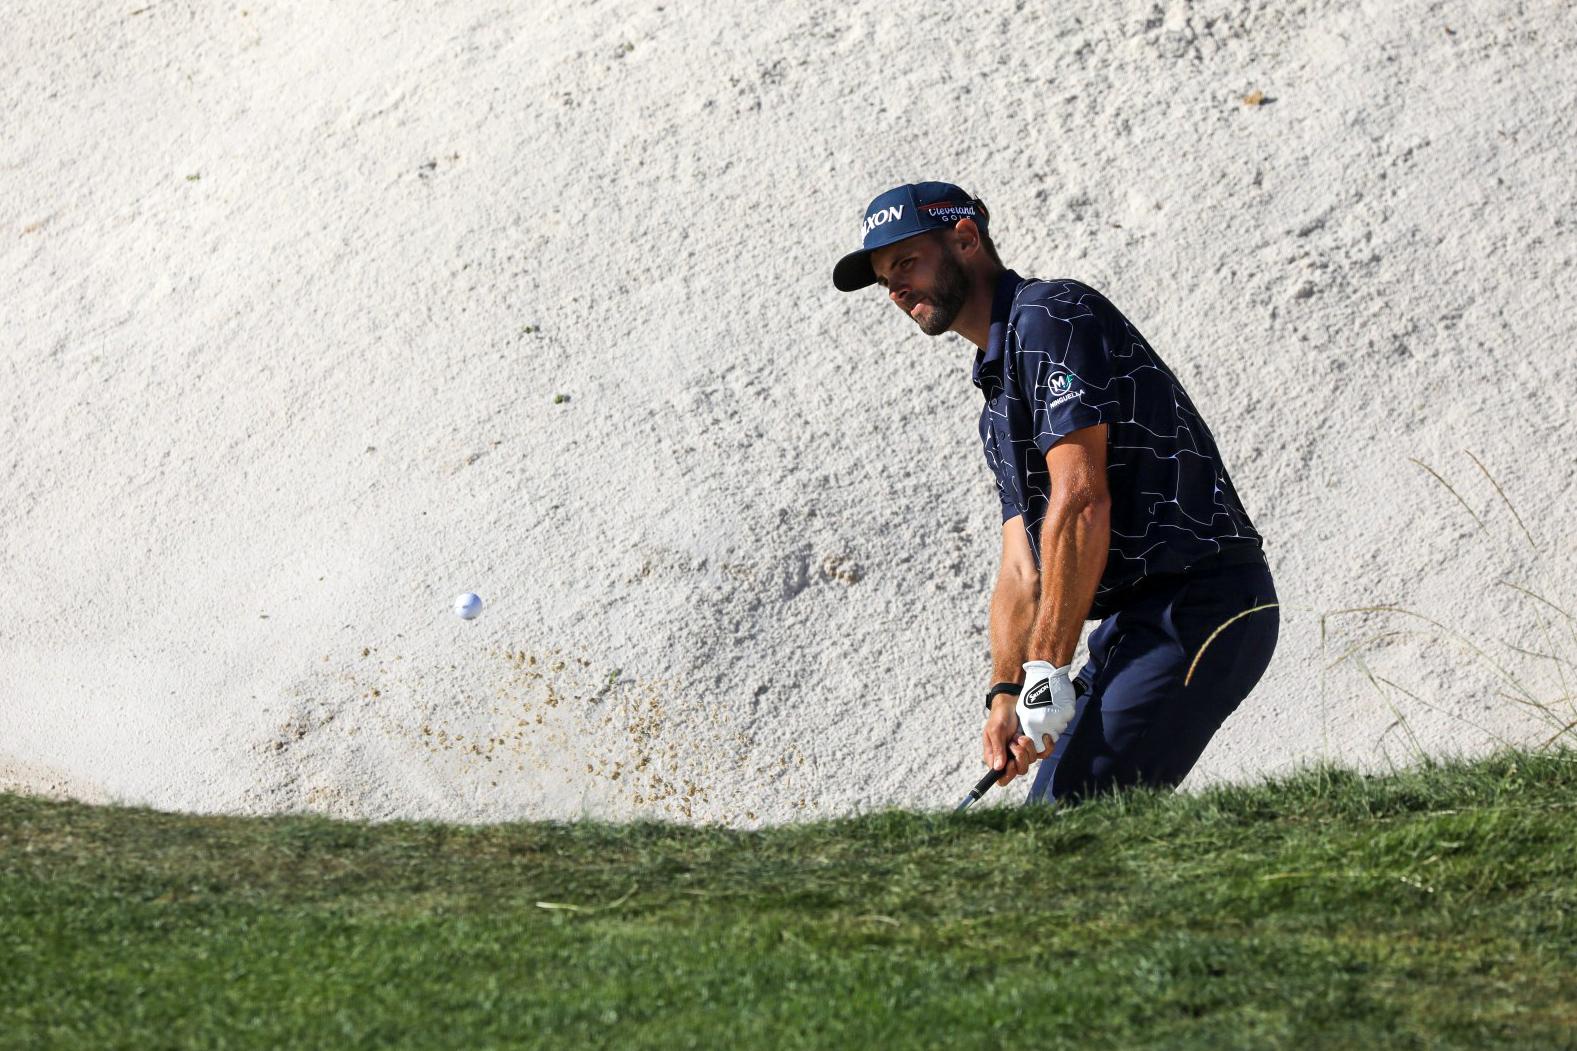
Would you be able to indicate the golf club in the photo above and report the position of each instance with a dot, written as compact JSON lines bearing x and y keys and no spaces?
{"x":981,"y":788}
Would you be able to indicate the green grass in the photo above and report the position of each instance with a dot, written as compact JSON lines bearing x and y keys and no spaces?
{"x":1432,"y":908}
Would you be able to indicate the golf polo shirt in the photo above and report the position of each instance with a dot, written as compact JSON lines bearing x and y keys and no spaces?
{"x":1061,"y":357}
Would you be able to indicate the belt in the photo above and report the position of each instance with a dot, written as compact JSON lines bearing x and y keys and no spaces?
{"x":1235,"y":555}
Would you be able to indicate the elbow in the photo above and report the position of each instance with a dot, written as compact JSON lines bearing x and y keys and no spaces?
{"x":1088,"y":506}
{"x":1091,"y":521}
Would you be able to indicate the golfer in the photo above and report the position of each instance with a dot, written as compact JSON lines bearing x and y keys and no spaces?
{"x":1116,"y":506}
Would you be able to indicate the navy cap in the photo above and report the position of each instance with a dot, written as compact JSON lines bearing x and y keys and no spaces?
{"x":900,"y":213}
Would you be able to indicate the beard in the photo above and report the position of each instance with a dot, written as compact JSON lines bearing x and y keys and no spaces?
{"x":946,"y":299}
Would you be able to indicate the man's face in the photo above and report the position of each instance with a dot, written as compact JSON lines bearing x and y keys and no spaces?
{"x":925,"y":280}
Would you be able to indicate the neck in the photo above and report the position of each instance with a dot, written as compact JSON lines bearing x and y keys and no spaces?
{"x":974,"y":320}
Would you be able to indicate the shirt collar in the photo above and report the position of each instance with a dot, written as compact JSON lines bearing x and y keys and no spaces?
{"x":988,"y":362}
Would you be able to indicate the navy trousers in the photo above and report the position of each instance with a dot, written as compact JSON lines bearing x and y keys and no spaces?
{"x":1136,"y":722}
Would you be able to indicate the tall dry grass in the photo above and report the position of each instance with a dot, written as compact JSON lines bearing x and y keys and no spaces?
{"x":1549,"y":619}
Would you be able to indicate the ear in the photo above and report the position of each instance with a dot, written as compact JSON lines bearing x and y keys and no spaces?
{"x":966,"y":236}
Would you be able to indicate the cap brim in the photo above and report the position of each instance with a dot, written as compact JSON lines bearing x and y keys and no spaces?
{"x":854,"y":272}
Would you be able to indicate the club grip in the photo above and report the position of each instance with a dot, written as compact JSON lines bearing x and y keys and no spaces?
{"x":985,"y":783}
{"x":981,"y":788}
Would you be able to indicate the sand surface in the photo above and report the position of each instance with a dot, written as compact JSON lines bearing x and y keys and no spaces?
{"x":318,"y":315}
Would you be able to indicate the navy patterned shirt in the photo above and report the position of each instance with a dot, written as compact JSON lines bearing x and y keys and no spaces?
{"x":1061,"y":357}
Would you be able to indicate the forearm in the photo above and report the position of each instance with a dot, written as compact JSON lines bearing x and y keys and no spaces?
{"x":1074,"y":541}
{"x":1012,"y":615}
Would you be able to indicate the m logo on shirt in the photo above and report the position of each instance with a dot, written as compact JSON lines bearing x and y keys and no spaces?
{"x":1060,"y":389}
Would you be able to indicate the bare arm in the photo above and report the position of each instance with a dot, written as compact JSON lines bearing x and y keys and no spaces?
{"x":1012,"y":614}
{"x":1013,"y":603}
{"x":1074,"y":542}
{"x":1038,"y":615}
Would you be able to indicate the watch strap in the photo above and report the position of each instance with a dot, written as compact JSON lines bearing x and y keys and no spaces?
{"x":1015,"y":688}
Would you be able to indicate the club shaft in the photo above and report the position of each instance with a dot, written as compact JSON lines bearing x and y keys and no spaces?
{"x":981,"y":788}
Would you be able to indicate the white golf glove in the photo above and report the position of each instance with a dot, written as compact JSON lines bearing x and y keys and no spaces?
{"x":1045,"y":705}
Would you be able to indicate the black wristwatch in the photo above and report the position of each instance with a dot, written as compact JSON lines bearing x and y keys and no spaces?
{"x":1015,"y":688}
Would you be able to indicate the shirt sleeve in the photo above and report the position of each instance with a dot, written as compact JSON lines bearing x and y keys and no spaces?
{"x":1064,"y":369}
{"x":1009,"y":509}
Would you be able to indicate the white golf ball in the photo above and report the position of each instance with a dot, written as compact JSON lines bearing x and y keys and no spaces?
{"x":468,"y":605}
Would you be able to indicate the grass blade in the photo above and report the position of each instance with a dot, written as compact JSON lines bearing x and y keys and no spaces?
{"x":1453,"y":492}
{"x":1504,"y":499}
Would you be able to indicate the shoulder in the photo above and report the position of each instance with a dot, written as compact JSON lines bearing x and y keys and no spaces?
{"x":1046,"y":305}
